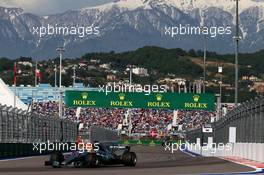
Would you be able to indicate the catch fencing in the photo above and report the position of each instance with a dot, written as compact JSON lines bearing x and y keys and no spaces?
{"x":248,"y":118}
{"x":103,"y":134}
{"x":18,"y":126}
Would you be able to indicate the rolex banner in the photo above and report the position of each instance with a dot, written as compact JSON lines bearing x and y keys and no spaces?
{"x":95,"y":99}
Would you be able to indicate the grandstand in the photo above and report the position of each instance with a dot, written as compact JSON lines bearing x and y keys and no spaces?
{"x":143,"y":120}
{"x":44,"y":92}
{"x":45,"y":102}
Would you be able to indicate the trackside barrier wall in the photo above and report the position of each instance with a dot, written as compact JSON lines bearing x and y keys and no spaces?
{"x":251,"y":151}
{"x":248,"y":119}
{"x":19,"y":129}
{"x":13,"y":150}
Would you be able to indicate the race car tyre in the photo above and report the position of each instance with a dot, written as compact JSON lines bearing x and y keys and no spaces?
{"x":47,"y":163}
{"x":91,"y":161}
{"x":78,"y":164}
{"x":56,"y":159}
{"x":129,"y":159}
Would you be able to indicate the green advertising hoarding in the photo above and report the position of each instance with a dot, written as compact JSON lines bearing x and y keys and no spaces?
{"x":95,"y":99}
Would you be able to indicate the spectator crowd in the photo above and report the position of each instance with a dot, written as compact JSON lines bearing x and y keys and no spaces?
{"x":143,"y":120}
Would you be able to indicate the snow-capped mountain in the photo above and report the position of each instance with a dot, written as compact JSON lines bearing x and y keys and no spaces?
{"x":227,"y":5}
{"x":129,"y":24}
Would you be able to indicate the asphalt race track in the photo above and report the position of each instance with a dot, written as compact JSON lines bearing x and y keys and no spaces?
{"x":151,"y":161}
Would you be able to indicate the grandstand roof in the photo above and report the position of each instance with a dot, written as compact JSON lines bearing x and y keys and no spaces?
{"x":7,"y":97}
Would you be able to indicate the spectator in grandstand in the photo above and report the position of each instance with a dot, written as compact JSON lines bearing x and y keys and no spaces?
{"x":143,"y":120}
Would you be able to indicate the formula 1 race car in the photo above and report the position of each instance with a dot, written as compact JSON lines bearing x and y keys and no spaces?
{"x":106,"y":154}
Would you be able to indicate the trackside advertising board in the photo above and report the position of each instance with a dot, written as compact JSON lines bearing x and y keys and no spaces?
{"x":95,"y":99}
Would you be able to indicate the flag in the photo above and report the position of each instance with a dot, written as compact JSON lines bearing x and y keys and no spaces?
{"x":15,"y":74}
{"x":38,"y":74}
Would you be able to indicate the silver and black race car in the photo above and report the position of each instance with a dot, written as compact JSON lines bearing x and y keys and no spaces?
{"x":106,"y":154}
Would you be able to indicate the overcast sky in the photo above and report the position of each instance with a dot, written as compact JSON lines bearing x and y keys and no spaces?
{"x":44,"y":7}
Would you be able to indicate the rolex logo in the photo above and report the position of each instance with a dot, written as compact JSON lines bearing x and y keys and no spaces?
{"x":159,"y":97}
{"x":196,"y":98}
{"x":122,"y":96}
{"x":85,"y":95}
